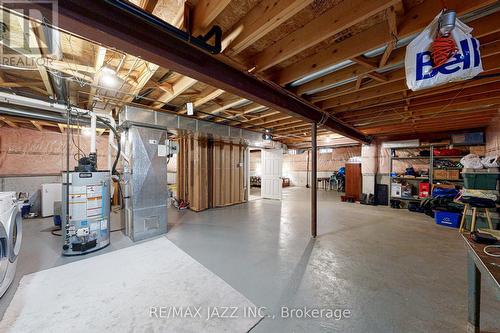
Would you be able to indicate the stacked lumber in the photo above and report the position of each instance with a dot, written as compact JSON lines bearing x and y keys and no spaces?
{"x":228,"y":174}
{"x":210,"y":173}
{"x":192,"y":172}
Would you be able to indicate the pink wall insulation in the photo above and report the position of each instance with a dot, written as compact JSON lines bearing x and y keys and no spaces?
{"x":326,"y":161}
{"x":29,"y":152}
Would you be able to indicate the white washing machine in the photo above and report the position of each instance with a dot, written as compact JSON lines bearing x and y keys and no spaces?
{"x":10,"y":238}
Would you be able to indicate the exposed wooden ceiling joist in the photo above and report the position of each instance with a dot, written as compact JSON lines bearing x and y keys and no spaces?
{"x":374,"y":37}
{"x":333,"y":21}
{"x":110,"y":25}
{"x":263,"y":18}
{"x":149,"y":5}
{"x":205,"y":12}
{"x":395,"y":84}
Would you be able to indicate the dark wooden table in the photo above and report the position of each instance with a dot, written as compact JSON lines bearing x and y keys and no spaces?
{"x":479,"y":264}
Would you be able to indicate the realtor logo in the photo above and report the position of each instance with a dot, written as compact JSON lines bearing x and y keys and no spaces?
{"x":26,"y":37}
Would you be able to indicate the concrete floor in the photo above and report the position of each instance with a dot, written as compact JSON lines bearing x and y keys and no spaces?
{"x":41,"y":250}
{"x":255,"y":193}
{"x":394,"y":270}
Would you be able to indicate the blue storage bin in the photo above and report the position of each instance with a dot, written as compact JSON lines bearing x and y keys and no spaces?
{"x":468,"y":138}
{"x":448,"y":219}
{"x":57,"y":220}
{"x":25,"y":209}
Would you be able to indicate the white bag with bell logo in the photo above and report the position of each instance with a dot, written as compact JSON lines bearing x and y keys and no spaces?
{"x":465,"y":64}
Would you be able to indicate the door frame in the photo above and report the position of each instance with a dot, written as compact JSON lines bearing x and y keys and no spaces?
{"x":247,"y":169}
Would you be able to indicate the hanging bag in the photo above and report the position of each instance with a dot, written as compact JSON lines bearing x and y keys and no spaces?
{"x":421,"y":72}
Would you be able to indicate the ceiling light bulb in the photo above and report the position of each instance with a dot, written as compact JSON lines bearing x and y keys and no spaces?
{"x":190,"y":109}
{"x":108,"y":77}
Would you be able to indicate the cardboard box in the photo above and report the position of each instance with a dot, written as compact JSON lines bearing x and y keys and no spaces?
{"x":478,"y":150}
{"x":453,"y":174}
{"x":442,"y":186}
{"x":396,"y":190}
{"x":440,"y":174}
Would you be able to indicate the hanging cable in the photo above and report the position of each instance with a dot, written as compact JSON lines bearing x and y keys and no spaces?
{"x":118,"y":143}
{"x":486,"y":251}
{"x":444,"y":46}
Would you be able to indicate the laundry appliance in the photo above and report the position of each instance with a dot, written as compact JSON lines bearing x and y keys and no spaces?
{"x":10,"y":238}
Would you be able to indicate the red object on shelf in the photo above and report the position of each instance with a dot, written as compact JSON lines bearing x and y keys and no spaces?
{"x":423,"y":190}
{"x":448,"y":152}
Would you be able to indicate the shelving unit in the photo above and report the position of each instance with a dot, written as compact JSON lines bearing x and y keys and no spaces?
{"x":429,"y":161}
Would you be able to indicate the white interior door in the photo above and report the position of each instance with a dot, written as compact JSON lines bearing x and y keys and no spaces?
{"x":272,"y":168}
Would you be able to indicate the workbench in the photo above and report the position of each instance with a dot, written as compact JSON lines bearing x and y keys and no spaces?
{"x":479,"y":265}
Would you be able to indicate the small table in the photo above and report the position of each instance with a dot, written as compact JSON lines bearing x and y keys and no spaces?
{"x":479,"y":264}
{"x":325,"y":182}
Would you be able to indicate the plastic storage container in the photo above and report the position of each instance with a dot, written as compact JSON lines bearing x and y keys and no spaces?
{"x":480,"y":181}
{"x":423,"y":190}
{"x":396,"y":190}
{"x":447,"y":219}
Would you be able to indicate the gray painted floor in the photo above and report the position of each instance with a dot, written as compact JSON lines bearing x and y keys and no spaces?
{"x":41,"y":250}
{"x":394,"y":270}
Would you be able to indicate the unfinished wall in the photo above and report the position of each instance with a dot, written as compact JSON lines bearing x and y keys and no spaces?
{"x":493,"y":138}
{"x":192,"y":176}
{"x":210,"y":174}
{"x":31,"y":152}
{"x":228,"y":183}
{"x":29,"y":158}
{"x":295,"y":166}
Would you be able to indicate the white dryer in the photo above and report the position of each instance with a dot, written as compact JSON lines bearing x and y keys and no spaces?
{"x":10,"y":238}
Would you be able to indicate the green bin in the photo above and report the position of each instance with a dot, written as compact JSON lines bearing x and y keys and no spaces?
{"x":480,"y":180}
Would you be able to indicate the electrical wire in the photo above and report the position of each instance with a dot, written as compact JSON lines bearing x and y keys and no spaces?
{"x":77,"y":145}
{"x":53,"y":232}
{"x":487,"y":252}
{"x":118,"y":143}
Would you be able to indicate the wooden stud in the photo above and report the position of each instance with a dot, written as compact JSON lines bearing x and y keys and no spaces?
{"x":263,"y":18}
{"x":215,"y":110}
{"x":37,"y":125}
{"x":205,"y":12}
{"x":61,"y":128}
{"x":98,"y":64}
{"x":333,"y":21}
{"x":38,"y":38}
{"x":179,"y":87}
{"x":149,"y":5}
{"x":372,"y":38}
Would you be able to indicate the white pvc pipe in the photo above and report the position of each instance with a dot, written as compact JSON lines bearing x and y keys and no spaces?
{"x":93,"y":128}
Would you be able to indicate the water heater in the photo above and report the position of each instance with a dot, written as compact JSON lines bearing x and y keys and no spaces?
{"x":87,"y":227}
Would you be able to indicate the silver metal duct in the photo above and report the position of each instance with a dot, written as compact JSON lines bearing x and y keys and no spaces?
{"x":321,"y":73}
{"x":23,"y":112}
{"x":145,"y":182}
{"x":147,"y":118}
{"x":59,"y":84}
